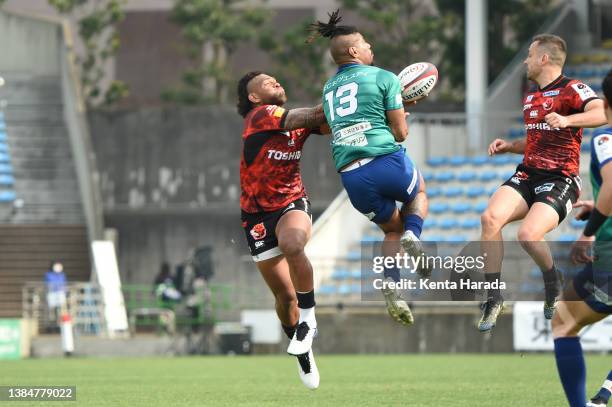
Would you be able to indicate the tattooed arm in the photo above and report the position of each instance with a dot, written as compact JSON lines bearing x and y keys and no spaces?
{"x":304,"y":117}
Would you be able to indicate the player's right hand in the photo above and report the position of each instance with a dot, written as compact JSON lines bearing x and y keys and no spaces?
{"x":499,"y":146}
{"x":585,"y":212}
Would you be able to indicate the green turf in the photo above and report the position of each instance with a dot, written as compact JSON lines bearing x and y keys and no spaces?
{"x":351,"y":380}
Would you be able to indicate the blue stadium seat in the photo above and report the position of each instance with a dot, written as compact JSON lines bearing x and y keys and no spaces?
{"x":434,"y":192}
{"x":356,"y":274}
{"x":344,"y":289}
{"x":492,"y":190}
{"x":437,"y":161}
{"x":456,"y":239}
{"x":535,"y":273}
{"x":353,"y":256}
{"x":5,"y":168}
{"x":7,"y":196}
{"x":355,"y":288}
{"x":457,"y":161}
{"x":438,"y":207}
{"x":432,"y":238}
{"x":369,"y":239}
{"x":448,"y":223}
{"x":515,"y":133}
{"x":444,"y":176}
{"x":429,"y":223}
{"x":587,"y":132}
{"x":461,"y":207}
{"x":578,"y":224}
{"x":585,"y":147}
{"x":327,"y":289}
{"x":499,"y":160}
{"x":4,"y":158}
{"x":504,"y":175}
{"x":475,"y":191}
{"x":467,"y":176}
{"x":453,"y":192}
{"x":480,"y":207}
{"x":3,"y":147}
{"x":341,"y":274}
{"x":479,"y":160}
{"x":516,"y":158}
{"x":6,"y":179}
{"x":470,"y":223}
{"x":487,"y":176}
{"x":428,"y":176}
{"x":2,"y":135}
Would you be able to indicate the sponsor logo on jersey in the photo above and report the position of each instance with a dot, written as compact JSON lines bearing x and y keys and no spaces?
{"x":584,"y":91}
{"x":370,"y":215}
{"x":515,"y":180}
{"x":527,"y":106}
{"x":547,"y":187}
{"x":603,"y":148}
{"x":548,"y":103}
{"x":551,"y":93}
{"x":528,"y":98}
{"x":533,"y":113}
{"x":291,"y":142}
{"x":537,"y":126}
{"x":284,"y":155}
{"x":258,"y":231}
{"x":259,"y":244}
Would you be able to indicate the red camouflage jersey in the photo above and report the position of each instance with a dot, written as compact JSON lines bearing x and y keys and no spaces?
{"x":553,"y":149}
{"x":270,"y":176}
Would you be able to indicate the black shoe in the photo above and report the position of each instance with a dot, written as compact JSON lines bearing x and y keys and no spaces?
{"x":490,"y":311}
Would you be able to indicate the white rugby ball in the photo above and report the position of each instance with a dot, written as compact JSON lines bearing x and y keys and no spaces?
{"x":417,"y":80}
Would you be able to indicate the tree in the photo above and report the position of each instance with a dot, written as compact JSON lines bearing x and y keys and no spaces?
{"x":98,"y":31}
{"x":438,"y":35}
{"x":213,"y":30}
{"x":299,"y":66}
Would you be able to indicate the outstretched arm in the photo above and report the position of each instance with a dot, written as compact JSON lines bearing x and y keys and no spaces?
{"x":500,"y":146}
{"x":593,"y":116}
{"x":304,"y":117}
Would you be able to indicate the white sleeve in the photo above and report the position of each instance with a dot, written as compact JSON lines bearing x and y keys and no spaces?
{"x":602,"y":146}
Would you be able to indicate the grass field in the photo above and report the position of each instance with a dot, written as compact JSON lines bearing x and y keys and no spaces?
{"x":360,"y":380}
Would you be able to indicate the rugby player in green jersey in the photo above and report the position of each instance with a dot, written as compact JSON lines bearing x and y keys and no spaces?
{"x":588,"y":298}
{"x":364,"y":109}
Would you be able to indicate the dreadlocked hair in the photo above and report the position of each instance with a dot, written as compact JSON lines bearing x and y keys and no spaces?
{"x":244,"y":105}
{"x":330,"y":29}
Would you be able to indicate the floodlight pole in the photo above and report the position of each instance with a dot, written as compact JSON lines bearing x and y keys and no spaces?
{"x":476,"y":71}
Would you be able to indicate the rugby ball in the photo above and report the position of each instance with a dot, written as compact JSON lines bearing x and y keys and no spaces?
{"x":417,"y":80}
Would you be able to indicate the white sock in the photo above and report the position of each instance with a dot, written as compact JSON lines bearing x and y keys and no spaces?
{"x":308,"y":315}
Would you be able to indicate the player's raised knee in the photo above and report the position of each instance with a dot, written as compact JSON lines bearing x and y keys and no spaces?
{"x":490,"y":221}
{"x":293,"y":244}
{"x":526,"y":235}
{"x":286,"y":299}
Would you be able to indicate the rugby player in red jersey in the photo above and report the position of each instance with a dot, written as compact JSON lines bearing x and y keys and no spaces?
{"x":276,"y":214}
{"x":546,"y":184}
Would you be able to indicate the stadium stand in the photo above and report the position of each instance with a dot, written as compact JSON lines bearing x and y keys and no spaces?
{"x":41,"y":216}
{"x":458,"y":189}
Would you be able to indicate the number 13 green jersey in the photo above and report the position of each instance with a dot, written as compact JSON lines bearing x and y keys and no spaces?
{"x":355,"y":101}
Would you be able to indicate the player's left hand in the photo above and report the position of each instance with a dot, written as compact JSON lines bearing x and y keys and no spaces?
{"x":556,"y":121}
{"x":580,"y":250}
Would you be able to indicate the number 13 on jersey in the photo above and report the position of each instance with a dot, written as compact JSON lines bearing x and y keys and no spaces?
{"x":346,"y":96}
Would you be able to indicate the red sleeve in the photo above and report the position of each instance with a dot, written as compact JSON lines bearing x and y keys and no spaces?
{"x":266,"y":118}
{"x":579,"y":95}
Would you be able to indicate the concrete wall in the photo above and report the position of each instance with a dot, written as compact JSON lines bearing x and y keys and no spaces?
{"x":170,"y":182}
{"x":42,"y":54}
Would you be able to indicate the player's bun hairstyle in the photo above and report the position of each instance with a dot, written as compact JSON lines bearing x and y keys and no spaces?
{"x":244,"y":105}
{"x":330,"y":29}
{"x":606,"y":85}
